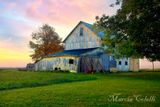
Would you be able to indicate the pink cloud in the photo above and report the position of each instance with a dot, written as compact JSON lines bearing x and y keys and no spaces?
{"x":63,"y":11}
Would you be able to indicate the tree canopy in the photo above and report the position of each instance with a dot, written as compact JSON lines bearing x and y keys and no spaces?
{"x":45,"y":41}
{"x":134,"y":30}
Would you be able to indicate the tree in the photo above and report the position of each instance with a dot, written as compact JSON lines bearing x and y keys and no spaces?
{"x":45,"y":41}
{"x":134,"y":29}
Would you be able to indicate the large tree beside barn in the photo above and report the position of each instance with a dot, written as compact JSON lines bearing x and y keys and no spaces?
{"x":45,"y":41}
{"x":134,"y":30}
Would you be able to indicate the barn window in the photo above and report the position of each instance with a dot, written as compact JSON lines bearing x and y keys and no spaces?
{"x":81,"y":32}
{"x":120,"y":62}
{"x":71,"y":61}
{"x":126,"y":63}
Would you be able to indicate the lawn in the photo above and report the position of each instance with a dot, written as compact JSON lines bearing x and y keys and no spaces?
{"x":18,"y":89}
{"x":11,"y":79}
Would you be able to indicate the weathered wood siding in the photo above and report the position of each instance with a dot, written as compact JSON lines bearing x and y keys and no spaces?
{"x":44,"y":64}
{"x":88,"y":40}
{"x":105,"y":62}
{"x":57,"y":62}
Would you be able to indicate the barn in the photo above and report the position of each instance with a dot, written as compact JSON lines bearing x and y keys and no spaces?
{"x":83,"y":53}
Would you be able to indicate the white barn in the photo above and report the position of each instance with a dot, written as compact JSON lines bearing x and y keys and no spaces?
{"x":82,"y":53}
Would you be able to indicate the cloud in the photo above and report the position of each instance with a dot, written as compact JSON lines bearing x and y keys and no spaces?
{"x":61,"y":11}
{"x":13,"y":31}
{"x":64,"y":13}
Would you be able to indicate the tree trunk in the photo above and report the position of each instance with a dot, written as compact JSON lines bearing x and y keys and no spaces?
{"x":153,"y":65}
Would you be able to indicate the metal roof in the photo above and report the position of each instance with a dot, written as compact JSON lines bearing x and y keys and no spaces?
{"x":74,"y":52}
{"x":90,"y":26}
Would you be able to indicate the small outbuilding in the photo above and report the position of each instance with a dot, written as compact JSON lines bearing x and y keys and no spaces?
{"x":30,"y":67}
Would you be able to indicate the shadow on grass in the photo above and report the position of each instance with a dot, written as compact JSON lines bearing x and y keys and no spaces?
{"x":26,"y":85}
{"x":15,"y":80}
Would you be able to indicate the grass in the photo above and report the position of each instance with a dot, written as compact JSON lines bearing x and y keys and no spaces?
{"x":79,"y":93}
{"x":17,"y":79}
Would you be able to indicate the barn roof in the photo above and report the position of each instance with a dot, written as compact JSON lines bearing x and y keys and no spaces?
{"x":74,"y":52}
{"x":90,"y":26}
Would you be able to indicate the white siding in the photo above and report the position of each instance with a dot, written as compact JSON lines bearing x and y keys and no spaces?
{"x":57,"y":62}
{"x":123,"y":66}
{"x":88,"y":40}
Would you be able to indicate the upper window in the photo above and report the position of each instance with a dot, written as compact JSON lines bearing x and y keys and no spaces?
{"x":71,"y":61}
{"x":120,"y":62}
{"x":81,"y":31}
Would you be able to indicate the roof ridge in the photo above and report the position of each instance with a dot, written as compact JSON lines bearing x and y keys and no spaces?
{"x":86,"y":22}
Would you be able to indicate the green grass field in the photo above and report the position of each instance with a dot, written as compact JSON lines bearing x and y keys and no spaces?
{"x":46,"y":89}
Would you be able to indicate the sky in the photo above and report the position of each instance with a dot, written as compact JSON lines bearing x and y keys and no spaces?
{"x":19,"y":18}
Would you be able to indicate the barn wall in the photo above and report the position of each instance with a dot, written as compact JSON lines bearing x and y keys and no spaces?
{"x":63,"y":63}
{"x":134,"y":64}
{"x":57,"y":62}
{"x":44,"y":64}
{"x":88,"y":40}
{"x":105,"y":62}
